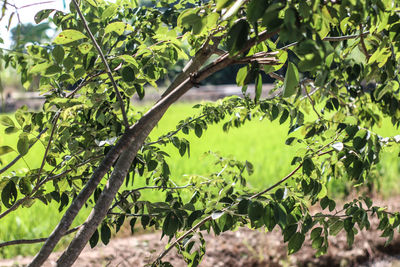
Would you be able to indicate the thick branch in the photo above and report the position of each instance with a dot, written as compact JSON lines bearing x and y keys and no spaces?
{"x":100,"y":210}
{"x":109,"y":73}
{"x":194,"y":64}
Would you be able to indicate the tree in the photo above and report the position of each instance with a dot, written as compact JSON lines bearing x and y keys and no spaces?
{"x":329,"y":51}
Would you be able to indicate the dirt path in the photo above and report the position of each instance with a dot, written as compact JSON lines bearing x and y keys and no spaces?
{"x":243,"y":248}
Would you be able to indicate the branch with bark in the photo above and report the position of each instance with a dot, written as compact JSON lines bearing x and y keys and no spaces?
{"x":133,"y":138}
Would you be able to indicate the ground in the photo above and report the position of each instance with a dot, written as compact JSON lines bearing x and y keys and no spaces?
{"x":245,"y":248}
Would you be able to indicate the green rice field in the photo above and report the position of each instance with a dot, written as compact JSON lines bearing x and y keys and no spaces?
{"x":260,"y":142}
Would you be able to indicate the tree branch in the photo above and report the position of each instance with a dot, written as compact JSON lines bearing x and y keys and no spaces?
{"x":38,"y":185}
{"x":48,"y":144}
{"x":33,"y":241}
{"x":364,"y":48}
{"x":144,"y":188}
{"x":330,"y":39}
{"x":110,"y":75}
{"x":100,"y":210}
{"x":136,"y":134}
{"x":195,"y":63}
{"x":174,"y":132}
{"x":312,"y":102}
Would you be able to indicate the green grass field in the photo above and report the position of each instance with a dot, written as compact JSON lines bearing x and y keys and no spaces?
{"x":260,"y":142}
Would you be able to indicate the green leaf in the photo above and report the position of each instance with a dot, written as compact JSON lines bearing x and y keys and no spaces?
{"x":171,"y":224}
{"x":188,"y":18}
{"x":269,"y":217}
{"x":291,"y":80}
{"x":317,"y":242}
{"x":105,"y":234}
{"x":324,"y":203}
{"x":69,"y":36}
{"x":109,"y":12}
{"x":139,"y":91}
{"x":94,"y":239}
{"x":182,"y":149}
{"x":258,"y":88}
{"x":198,"y":130}
{"x":289,"y":231}
{"x":256,"y":9}
{"x":237,"y":36}
{"x":391,"y":86}
{"x":241,"y":75}
{"x":85,"y":47}
{"x":152,"y":165}
{"x":92,"y":2}
{"x":117,"y":27}
{"x":42,"y":15}
{"x":128,"y":74}
{"x":284,"y":116}
{"x":249,"y":167}
{"x":23,"y":145}
{"x":243,"y":206}
{"x":295,"y":242}
{"x":5,"y":150}
{"x":335,"y":228}
{"x":316,"y":232}
{"x":255,"y":210}
{"x":6,"y":121}
{"x":11,"y":130}
{"x":9,"y":194}
{"x":223,"y":4}
{"x":308,"y":166}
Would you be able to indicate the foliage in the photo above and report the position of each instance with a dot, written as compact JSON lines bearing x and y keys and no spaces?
{"x":338,"y":56}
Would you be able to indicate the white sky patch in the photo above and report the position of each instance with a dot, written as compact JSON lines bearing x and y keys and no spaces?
{"x":27,"y":10}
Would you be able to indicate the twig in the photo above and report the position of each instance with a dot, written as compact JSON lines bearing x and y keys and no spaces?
{"x":19,"y":156}
{"x":131,"y":214}
{"x":33,"y":241}
{"x":331,"y":39}
{"x":147,"y":187}
{"x":364,"y":48}
{"x":110,"y":75}
{"x":312,"y":102}
{"x":276,"y":76}
{"x":194,"y":228}
{"x":49,"y":143}
{"x":36,"y":188}
{"x":174,"y":132}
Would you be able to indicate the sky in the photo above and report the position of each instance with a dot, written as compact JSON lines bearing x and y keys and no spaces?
{"x":26,"y":11}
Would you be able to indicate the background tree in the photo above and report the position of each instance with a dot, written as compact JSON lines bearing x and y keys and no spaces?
{"x":95,"y":140}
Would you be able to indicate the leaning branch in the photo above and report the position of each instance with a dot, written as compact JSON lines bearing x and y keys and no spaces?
{"x":109,"y":73}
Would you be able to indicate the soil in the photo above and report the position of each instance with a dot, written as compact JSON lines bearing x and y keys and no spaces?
{"x":244,"y":247}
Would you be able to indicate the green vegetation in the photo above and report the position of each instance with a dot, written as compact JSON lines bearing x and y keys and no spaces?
{"x":260,"y":142}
